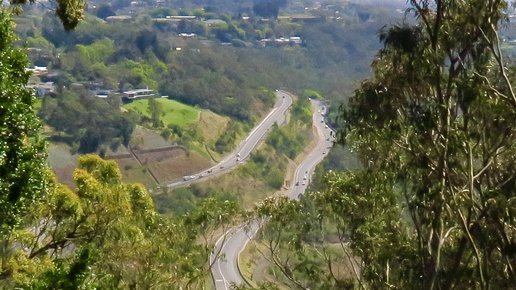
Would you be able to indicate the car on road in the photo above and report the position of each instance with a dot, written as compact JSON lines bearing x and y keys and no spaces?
{"x":238,"y":159}
{"x":304,"y":182}
{"x":324,"y":152}
{"x":297,"y":183}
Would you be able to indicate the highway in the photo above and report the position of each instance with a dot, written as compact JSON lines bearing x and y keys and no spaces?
{"x":225,"y":271}
{"x":246,"y":146}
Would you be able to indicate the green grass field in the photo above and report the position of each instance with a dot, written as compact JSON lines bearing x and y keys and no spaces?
{"x":173,"y":112}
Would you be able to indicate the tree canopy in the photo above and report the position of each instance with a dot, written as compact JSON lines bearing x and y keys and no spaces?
{"x":102,"y":233}
{"x":23,"y":173}
{"x":434,"y":127}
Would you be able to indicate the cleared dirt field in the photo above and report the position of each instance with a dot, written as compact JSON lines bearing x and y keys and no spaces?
{"x":144,"y":139}
{"x":63,"y":163}
{"x":132,"y":171}
{"x":149,"y":167}
{"x":172,"y":164}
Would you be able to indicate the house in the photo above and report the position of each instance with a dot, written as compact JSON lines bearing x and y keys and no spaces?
{"x":43,"y":89}
{"x":295,"y":40}
{"x":37,"y":70}
{"x":187,"y":35}
{"x":138,"y":94}
{"x":103,"y":94}
{"x":118,"y":18}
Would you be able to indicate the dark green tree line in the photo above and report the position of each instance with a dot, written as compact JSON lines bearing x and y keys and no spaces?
{"x":87,"y":122}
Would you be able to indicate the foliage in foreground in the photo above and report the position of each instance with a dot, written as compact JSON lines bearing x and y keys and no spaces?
{"x":434,"y":128}
{"x":104,"y":233}
{"x":22,"y":153}
{"x":107,"y":234}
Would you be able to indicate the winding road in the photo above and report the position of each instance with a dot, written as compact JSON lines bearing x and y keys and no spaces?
{"x":277,"y":115}
{"x":225,"y":271}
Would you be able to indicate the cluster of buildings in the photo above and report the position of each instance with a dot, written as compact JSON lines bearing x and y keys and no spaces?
{"x":293,"y":40}
{"x":41,"y":88}
{"x":49,"y":88}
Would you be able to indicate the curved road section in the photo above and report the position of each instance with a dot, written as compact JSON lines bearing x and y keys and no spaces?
{"x":225,"y":271}
{"x":249,"y":144}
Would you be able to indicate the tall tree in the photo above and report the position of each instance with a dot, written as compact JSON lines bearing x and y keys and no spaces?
{"x":24,"y":175}
{"x":107,"y":234}
{"x":435,"y":128}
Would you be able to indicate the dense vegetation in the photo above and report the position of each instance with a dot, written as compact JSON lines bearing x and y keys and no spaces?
{"x":267,"y":166}
{"x":432,"y":207}
{"x":234,"y":81}
{"x":104,"y":233}
{"x":143,"y":54}
{"x":85,"y":122}
{"x":291,"y":139}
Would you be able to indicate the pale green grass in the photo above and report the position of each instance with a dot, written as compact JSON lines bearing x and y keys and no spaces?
{"x":36,"y":105}
{"x":199,"y":149}
{"x":174,"y":112}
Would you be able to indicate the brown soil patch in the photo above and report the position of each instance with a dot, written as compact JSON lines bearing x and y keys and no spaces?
{"x":144,"y":138}
{"x":170,"y":165}
{"x":211,"y":125}
{"x":132,"y":171}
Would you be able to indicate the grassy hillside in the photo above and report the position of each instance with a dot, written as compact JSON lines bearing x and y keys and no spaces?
{"x":173,"y":112}
{"x":151,"y":158}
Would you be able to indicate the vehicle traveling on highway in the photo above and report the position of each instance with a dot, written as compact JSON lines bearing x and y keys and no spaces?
{"x":188,"y":177}
{"x":225,"y":272}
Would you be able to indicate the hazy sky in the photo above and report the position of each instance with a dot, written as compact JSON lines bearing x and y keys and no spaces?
{"x":380,"y":1}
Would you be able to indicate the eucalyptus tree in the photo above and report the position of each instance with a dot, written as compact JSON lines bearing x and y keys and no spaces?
{"x":435,"y":129}
{"x":107,"y":234}
{"x":434,"y":206}
{"x":24,"y":175}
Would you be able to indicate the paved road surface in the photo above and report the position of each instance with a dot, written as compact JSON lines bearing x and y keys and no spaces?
{"x":225,"y":272}
{"x":249,"y":144}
